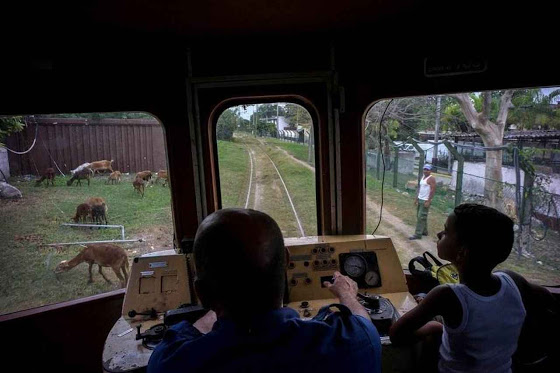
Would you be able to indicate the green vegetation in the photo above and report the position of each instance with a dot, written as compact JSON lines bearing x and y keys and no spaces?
{"x":234,"y":172}
{"x":401,"y":202}
{"x":9,"y":125}
{"x":296,"y":150}
{"x":28,"y":225}
{"x":300,"y":182}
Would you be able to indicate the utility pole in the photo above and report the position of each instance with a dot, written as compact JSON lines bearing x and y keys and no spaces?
{"x":436,"y":135}
{"x":256,"y":120}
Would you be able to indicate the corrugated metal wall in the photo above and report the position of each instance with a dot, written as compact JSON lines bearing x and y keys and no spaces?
{"x":133,"y":144}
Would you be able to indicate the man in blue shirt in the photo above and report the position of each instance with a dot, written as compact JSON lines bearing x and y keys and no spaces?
{"x":240,"y":261}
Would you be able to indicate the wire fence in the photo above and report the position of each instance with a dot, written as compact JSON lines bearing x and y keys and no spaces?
{"x":531,"y":202}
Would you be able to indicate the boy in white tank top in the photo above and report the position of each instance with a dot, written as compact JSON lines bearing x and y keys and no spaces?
{"x":484,"y":314}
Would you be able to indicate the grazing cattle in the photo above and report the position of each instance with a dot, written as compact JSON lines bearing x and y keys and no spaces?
{"x":84,"y":174}
{"x":47,"y":175}
{"x":115,"y":177}
{"x":102,"y":254}
{"x":162,"y":174}
{"x":83,"y":211}
{"x":138,"y":185}
{"x":103,"y":165}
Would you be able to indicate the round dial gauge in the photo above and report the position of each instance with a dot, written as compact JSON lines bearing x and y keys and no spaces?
{"x":355,"y":266}
{"x":372,"y":278}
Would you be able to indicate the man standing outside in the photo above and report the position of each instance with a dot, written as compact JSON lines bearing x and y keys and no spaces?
{"x":423,"y":200}
{"x":241,"y":261}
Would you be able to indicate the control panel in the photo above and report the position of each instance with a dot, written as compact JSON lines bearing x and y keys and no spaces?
{"x":370,"y":261}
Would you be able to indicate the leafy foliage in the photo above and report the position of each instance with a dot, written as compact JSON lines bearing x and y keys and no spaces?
{"x":535,"y":110}
{"x":227,"y":124}
{"x":9,"y":125}
{"x":297,"y":115}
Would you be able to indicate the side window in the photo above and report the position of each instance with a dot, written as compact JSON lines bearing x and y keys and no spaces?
{"x":267,"y":162}
{"x":520,"y":176}
{"x":78,"y":188}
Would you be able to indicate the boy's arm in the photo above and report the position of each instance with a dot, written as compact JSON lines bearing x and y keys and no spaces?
{"x":416,"y":323}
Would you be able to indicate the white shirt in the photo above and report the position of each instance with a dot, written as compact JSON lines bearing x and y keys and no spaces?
{"x":424,"y":192}
{"x":487,"y":336}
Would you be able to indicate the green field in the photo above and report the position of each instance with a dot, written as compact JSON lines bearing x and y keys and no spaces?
{"x":299,"y":151}
{"x":300,"y":182}
{"x":234,"y":172}
{"x":28,"y":225}
{"x":543,"y":267}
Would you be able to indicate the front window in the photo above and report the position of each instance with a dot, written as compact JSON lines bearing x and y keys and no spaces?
{"x":267,"y":162}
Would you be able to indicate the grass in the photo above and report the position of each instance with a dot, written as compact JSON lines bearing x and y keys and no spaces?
{"x":28,"y":225}
{"x":401,"y":204}
{"x":297,"y":150}
{"x":234,"y":172}
{"x":300,"y":182}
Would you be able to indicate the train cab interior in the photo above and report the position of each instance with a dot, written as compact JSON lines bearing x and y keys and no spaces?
{"x":185,"y":64}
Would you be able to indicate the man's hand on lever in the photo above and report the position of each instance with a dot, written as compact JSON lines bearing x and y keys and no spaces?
{"x":346,"y":290}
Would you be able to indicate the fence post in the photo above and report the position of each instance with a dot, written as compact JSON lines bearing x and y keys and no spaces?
{"x":396,"y":167}
{"x":378,"y":163}
{"x":395,"y":162}
{"x":460,"y":165}
{"x":421,"y":159}
{"x":526,"y":205}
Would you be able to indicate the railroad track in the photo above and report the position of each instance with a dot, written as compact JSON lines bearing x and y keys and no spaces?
{"x":252,"y":149}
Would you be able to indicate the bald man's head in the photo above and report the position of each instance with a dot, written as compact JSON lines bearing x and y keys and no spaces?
{"x":240,"y":261}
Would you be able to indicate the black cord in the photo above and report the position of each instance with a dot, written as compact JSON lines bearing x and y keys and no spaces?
{"x":383,"y":160}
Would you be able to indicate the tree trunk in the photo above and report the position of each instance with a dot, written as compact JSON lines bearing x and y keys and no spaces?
{"x":492,"y":135}
{"x":493,"y":179}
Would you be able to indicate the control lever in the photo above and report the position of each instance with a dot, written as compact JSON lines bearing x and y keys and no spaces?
{"x":190,"y":313}
{"x":371,"y":302}
{"x":152,"y":313}
{"x":381,"y":312}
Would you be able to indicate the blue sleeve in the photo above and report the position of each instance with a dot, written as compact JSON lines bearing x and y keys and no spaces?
{"x":174,"y":338}
{"x":360,"y":341}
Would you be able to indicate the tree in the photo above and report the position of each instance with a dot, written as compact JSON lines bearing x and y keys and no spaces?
{"x":535,"y":110}
{"x":227,"y":124}
{"x":489,"y":123}
{"x":9,"y":125}
{"x":297,"y":115}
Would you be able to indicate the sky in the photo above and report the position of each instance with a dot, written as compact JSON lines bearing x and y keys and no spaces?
{"x":547,"y":91}
{"x":251,"y":108}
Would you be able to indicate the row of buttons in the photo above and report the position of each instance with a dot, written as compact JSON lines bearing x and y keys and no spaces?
{"x":317,"y":264}
{"x":323,"y":250}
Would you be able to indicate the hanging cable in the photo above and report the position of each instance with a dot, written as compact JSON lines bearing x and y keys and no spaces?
{"x":32,"y":145}
{"x":383,"y":161}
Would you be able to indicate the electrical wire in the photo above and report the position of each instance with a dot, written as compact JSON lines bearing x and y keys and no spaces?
{"x":383,"y":161}
{"x":32,"y":145}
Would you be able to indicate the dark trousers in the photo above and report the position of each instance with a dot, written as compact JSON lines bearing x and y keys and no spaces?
{"x":421,"y":219}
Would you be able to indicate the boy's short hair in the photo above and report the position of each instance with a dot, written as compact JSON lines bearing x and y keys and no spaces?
{"x":486,"y":232}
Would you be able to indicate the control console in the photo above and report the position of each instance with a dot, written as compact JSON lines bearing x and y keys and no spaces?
{"x":371,"y":261}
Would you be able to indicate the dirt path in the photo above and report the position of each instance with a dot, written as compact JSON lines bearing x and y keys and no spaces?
{"x":391,"y":226}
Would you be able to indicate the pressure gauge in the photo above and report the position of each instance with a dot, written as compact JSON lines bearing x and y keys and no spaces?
{"x":355,"y":266}
{"x":372,"y":278}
